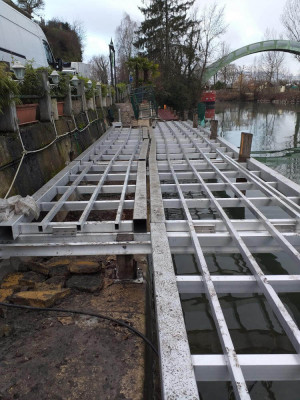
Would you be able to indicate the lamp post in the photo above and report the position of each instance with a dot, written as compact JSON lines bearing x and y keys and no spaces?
{"x":19,"y":70}
{"x":112,"y":58}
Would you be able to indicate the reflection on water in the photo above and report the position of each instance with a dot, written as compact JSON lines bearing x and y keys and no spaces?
{"x":252,"y":324}
{"x":260,"y":335}
{"x":278,"y":263}
{"x":258,"y":390}
{"x":275,"y":128}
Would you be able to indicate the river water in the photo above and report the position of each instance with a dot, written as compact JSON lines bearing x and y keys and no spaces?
{"x":275,"y":128}
{"x":253,"y":326}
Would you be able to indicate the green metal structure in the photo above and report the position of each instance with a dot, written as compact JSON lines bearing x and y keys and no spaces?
{"x":288,"y":46}
{"x":143,"y":102}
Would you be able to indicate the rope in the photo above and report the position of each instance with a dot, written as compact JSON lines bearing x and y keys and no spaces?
{"x":25,"y":152}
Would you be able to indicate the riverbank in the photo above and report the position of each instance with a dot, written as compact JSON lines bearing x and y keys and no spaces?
{"x":267,"y":96}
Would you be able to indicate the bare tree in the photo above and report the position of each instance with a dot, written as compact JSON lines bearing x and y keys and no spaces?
{"x":291,"y":20}
{"x":100,"y":68}
{"x":31,"y":6}
{"x":79,"y":28}
{"x":224,"y":51}
{"x":212,"y":27}
{"x":125,"y":37}
{"x":232,"y":74}
{"x":272,"y":61}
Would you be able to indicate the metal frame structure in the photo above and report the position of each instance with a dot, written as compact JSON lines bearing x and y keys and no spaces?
{"x":127,"y":169}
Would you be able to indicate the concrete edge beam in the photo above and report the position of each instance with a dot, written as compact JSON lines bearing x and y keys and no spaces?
{"x":177,"y":373}
{"x":140,"y":200}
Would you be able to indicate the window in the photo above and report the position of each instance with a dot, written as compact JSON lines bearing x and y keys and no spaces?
{"x":48,"y":52}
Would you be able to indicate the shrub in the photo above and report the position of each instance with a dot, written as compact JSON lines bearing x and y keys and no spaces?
{"x":104,"y":89}
{"x":9,"y":89}
{"x":61,"y":90}
{"x":31,"y":85}
{"x":89,"y":92}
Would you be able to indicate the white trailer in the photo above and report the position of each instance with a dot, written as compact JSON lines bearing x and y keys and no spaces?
{"x":22,"y":39}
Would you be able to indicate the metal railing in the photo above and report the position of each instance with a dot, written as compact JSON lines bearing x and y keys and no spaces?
{"x":143,"y":102}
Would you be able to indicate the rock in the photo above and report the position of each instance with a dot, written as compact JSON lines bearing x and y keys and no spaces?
{"x":12,"y":281}
{"x":31,"y":278}
{"x":54,"y":283}
{"x":38,"y":267}
{"x":66,"y":320}
{"x":5,"y":294}
{"x":84,"y":267}
{"x":5,"y":330}
{"x":45,"y":298}
{"x":56,"y":263}
{"x":86,"y":283}
{"x":51,"y":268}
{"x":4,"y":298}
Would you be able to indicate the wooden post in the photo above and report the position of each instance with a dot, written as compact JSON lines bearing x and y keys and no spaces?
{"x":81,"y":93}
{"x":245,"y":146}
{"x":195,"y":120}
{"x":213,"y":129}
{"x":126,"y":268}
{"x":68,"y":107}
{"x":185,"y":115}
{"x":45,"y":100}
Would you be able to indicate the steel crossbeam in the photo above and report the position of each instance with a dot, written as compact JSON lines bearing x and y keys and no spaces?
{"x":235,"y":371}
{"x":213,"y":368}
{"x":105,"y":191}
{"x":279,"y":309}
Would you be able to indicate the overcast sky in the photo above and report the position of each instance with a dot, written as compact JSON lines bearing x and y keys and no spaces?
{"x":247,"y":21}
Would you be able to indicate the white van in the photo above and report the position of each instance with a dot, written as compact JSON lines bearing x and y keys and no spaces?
{"x":22,"y":39}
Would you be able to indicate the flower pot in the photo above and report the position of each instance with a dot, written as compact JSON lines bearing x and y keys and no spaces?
{"x":60,"y":108}
{"x":26,"y":113}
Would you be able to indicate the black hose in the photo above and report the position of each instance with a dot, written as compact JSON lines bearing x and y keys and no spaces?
{"x":61,"y":310}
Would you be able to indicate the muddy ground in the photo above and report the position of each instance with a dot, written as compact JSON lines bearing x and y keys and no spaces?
{"x":55,"y":356}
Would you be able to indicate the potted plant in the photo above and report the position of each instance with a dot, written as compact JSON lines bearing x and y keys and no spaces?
{"x":30,"y":90}
{"x":60,"y":91}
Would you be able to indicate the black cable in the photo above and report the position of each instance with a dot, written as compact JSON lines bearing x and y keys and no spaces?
{"x":121,"y":323}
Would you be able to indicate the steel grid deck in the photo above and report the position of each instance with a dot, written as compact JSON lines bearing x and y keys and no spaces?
{"x":105,"y":192}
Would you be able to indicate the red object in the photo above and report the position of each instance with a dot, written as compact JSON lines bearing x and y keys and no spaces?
{"x":60,"y":108}
{"x":26,"y":113}
{"x":208,"y":97}
{"x":210,"y":113}
{"x":167,"y":115}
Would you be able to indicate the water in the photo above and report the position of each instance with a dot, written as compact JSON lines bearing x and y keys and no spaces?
{"x":252,"y":324}
{"x":253,"y":327}
{"x":276,"y":133}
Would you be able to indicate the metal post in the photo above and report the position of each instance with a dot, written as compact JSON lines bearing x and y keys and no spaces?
{"x":245,"y":146}
{"x":213,"y":129}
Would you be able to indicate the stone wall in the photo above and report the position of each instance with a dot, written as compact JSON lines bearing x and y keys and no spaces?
{"x":38,"y":168}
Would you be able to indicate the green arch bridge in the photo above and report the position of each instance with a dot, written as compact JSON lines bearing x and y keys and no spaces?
{"x":288,"y":46}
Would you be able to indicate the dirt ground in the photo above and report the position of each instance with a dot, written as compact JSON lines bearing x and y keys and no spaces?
{"x":59,"y":356}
